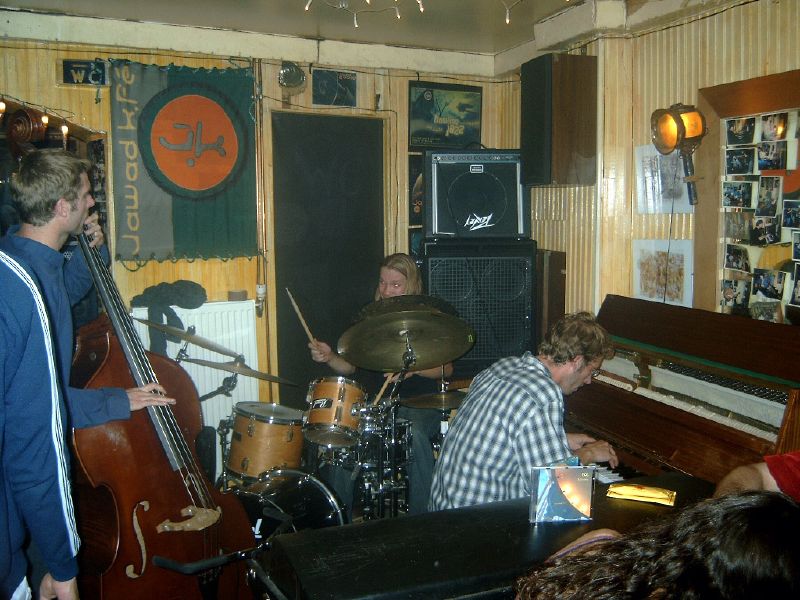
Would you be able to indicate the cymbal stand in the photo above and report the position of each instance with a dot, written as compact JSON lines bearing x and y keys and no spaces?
{"x":228,"y":385}
{"x":223,"y":429}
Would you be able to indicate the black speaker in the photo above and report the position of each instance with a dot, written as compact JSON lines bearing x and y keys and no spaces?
{"x":558,"y":138}
{"x":475,"y":194}
{"x":491,"y":284}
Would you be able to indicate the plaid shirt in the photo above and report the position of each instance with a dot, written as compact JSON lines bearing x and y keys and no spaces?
{"x":511,"y":420}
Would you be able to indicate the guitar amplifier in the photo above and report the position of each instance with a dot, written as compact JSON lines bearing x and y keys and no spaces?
{"x":475,"y":194}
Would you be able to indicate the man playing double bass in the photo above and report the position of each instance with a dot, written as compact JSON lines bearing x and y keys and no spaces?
{"x":52,"y":195}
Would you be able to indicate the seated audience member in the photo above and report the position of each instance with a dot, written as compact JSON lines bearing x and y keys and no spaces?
{"x":740,"y":546}
{"x":778,"y":473}
{"x":513,"y":419}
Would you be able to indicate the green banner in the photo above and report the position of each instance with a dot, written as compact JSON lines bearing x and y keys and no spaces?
{"x":184,"y":162}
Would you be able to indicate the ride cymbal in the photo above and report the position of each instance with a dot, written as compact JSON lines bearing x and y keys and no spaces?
{"x":439,"y":400}
{"x":190,"y":337}
{"x":383,"y":342}
{"x":241,"y":369}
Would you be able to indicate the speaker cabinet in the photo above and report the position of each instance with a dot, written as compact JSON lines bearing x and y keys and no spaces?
{"x":475,"y":194}
{"x":492,"y":286}
{"x":558,"y":141}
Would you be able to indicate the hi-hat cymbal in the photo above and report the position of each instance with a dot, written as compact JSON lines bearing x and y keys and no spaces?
{"x":235,"y":367}
{"x":380,"y":342}
{"x":439,"y":400}
{"x":190,"y":337}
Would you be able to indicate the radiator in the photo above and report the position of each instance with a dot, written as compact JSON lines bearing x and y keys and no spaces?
{"x":228,"y":324}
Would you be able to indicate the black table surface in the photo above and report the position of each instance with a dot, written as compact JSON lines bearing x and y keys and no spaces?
{"x":476,"y":552}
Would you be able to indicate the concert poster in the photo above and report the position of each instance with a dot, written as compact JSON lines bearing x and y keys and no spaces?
{"x":444,"y":116}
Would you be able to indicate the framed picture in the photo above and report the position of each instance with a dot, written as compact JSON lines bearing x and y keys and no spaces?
{"x":740,"y":131}
{"x":773,"y":126}
{"x":662,"y":271}
{"x":794,"y":300}
{"x":769,"y":196}
{"x":796,"y":244}
{"x":660,"y":187}
{"x":443,"y":115}
{"x":740,"y":161}
{"x":737,"y":257}
{"x":737,"y":193}
{"x":735,"y":293}
{"x":333,"y":88}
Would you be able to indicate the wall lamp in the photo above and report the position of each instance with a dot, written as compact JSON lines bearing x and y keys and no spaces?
{"x":683,"y":127}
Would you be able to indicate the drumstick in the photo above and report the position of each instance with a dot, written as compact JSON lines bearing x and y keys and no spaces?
{"x":383,"y":388}
{"x":300,"y":316}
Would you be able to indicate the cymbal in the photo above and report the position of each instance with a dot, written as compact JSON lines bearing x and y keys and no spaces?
{"x":189,"y":337}
{"x":408,"y":302}
{"x":379,"y":342}
{"x":439,"y":400}
{"x":241,"y":369}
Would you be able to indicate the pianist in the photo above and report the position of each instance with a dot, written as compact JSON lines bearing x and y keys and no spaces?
{"x":512,"y":419}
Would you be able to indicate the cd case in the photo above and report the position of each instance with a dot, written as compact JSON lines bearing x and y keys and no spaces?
{"x":561,"y":493}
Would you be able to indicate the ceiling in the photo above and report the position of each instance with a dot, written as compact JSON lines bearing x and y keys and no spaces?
{"x":457,"y":25}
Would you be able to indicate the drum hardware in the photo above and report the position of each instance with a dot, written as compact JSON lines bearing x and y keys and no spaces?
{"x":257,"y":578}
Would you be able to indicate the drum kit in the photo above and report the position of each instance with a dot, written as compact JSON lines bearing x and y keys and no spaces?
{"x":262,"y":444}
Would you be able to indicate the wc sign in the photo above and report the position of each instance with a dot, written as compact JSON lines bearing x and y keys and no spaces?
{"x":85,"y":72}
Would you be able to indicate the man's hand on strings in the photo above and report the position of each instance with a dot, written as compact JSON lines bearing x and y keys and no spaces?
{"x":148,"y":395}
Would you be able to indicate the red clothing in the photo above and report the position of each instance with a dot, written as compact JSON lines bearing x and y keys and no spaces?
{"x":785,"y":468}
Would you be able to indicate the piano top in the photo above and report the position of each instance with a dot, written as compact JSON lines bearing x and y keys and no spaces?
{"x":754,"y":349}
{"x":469,"y":552}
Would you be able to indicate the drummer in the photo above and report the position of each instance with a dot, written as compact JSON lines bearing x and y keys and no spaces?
{"x":399,"y":276}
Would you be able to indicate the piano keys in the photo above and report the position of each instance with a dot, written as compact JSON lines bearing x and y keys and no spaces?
{"x":691,"y":390}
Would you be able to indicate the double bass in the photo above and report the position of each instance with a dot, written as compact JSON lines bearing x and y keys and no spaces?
{"x":139,"y":490}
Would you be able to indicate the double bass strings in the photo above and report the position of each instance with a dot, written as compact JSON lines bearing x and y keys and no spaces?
{"x":142,"y":371}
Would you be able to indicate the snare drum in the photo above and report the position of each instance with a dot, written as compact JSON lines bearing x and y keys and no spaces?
{"x":333,"y":411}
{"x":265,"y":436}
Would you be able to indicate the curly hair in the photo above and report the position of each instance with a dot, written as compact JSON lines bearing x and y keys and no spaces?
{"x":405,"y":265}
{"x":577,"y":334}
{"x":44,"y":177}
{"x":739,"y":546}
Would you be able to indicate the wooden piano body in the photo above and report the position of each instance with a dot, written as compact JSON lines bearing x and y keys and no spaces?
{"x":653,"y":428}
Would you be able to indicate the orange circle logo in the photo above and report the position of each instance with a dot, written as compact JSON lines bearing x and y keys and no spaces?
{"x":194,"y":142}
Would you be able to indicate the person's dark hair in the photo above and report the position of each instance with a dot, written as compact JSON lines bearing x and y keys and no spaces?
{"x":577,"y":334}
{"x":739,"y":546}
{"x":45,"y":176}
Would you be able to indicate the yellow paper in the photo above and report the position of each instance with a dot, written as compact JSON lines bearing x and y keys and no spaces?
{"x":641,"y":493}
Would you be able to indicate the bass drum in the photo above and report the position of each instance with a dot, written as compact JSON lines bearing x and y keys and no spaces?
{"x":285,"y":500}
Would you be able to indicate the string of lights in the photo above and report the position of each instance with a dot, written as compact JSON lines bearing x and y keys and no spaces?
{"x":367,"y":7}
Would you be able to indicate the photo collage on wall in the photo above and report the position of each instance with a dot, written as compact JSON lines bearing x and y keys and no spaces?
{"x":760,"y":196}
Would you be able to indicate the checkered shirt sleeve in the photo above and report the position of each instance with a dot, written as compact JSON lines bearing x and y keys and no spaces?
{"x":511,"y":420}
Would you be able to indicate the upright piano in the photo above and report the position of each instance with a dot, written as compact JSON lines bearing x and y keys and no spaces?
{"x":691,"y":390}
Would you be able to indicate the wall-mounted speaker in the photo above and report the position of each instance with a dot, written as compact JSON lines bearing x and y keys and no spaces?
{"x":492,"y":286}
{"x":558,"y":138}
{"x":475,"y":194}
